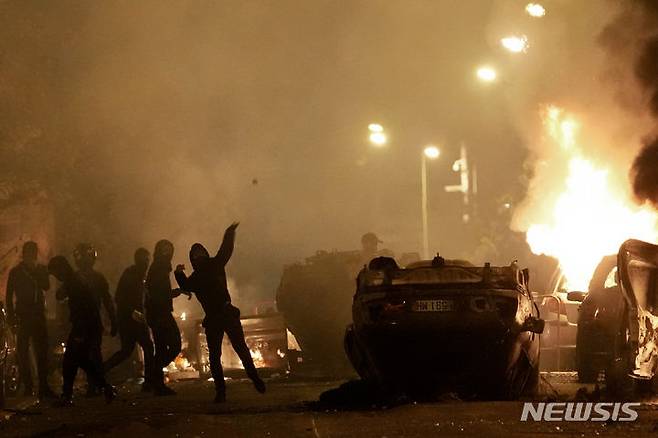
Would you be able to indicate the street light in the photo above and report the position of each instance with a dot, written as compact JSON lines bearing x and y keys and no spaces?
{"x":535,"y":10}
{"x":377,"y":136}
{"x":514,"y":43}
{"x":430,"y":152}
{"x":486,"y":73}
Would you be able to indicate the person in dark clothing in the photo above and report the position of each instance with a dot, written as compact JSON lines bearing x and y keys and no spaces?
{"x":208,"y":283}
{"x":85,"y":258}
{"x":83,"y":347}
{"x":27,"y":283}
{"x":158,"y":306}
{"x":133,"y":330}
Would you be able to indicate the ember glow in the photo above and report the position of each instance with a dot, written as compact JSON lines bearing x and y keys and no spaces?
{"x":514,"y":43}
{"x":590,"y":217}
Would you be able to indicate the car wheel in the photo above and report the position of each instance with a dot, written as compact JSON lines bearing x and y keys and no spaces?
{"x":519,"y":378}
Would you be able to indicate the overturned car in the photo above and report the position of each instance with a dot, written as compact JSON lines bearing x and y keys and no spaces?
{"x":444,"y":325}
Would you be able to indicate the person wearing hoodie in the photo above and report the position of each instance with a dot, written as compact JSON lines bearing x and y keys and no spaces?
{"x":158,"y":306}
{"x":208,"y":283}
{"x":133,"y":329}
{"x":83,"y":347}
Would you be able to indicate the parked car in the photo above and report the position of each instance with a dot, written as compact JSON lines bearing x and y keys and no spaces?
{"x":445,"y":325}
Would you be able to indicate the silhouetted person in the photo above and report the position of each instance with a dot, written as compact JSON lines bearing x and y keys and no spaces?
{"x":83,"y":347}
{"x":158,"y":306}
{"x":85,"y":258}
{"x":208,"y":282}
{"x":27,"y":283}
{"x":133,"y":330}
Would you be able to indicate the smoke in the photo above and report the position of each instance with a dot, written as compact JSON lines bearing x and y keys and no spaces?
{"x":636,"y":30}
{"x":171,"y":119}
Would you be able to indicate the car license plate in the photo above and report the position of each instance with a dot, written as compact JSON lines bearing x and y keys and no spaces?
{"x":434,"y":306}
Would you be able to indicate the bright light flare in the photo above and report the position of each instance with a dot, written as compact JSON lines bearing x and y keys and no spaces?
{"x":590,"y":218}
{"x":375,"y":127}
{"x":535,"y":10}
{"x":486,"y":74}
{"x":431,"y":152}
{"x":514,"y":43}
{"x":378,"y":138}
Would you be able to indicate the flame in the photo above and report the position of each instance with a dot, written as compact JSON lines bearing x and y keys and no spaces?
{"x":257,"y":356}
{"x":590,"y":218}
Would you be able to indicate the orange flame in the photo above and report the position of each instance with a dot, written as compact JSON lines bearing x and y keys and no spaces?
{"x":590,"y":218}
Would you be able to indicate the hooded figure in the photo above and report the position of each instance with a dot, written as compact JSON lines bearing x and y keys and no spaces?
{"x":133,"y":330}
{"x":27,"y":283}
{"x":83,"y":347}
{"x":158,"y":306}
{"x":208,"y":283}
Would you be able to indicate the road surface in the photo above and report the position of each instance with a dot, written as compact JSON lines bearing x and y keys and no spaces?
{"x":288,"y":410}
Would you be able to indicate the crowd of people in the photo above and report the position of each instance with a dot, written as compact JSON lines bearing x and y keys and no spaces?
{"x":142,"y":315}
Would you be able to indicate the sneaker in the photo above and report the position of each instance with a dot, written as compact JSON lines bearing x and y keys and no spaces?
{"x":109,"y":393}
{"x":259,"y":385}
{"x":163,"y":391}
{"x":220,"y":397}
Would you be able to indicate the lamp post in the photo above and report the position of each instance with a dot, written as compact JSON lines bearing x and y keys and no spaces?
{"x":430,"y":152}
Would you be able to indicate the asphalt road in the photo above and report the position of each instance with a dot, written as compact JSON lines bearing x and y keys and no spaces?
{"x":287,"y":410}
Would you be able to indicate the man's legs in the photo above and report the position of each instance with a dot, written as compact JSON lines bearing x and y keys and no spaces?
{"x":144,"y":340}
{"x":23,"y":355}
{"x":214,"y":336}
{"x":92,"y":362}
{"x":40,"y":345}
{"x":72,"y":356}
{"x":127,"y":346}
{"x":167,"y":346}
{"x":235,"y":333}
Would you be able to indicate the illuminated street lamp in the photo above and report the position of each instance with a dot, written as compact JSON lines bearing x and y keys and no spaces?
{"x":535,"y":10}
{"x":514,"y":43}
{"x":486,"y":73}
{"x":377,"y":136}
{"x":430,"y":152}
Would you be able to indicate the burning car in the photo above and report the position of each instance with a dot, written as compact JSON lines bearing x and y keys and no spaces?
{"x":599,"y":314}
{"x":622,"y":326}
{"x":445,"y":325}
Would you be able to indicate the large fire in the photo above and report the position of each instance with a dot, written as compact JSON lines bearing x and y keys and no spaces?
{"x":591,"y":217}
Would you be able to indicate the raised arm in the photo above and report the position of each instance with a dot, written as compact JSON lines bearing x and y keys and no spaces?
{"x":228,"y":243}
{"x":182,"y":279}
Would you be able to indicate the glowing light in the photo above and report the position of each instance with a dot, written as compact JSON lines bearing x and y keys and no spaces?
{"x":590,"y":218}
{"x":375,"y":127}
{"x":431,"y":152}
{"x":486,"y":74}
{"x":378,"y":138}
{"x":257,"y":356}
{"x":183,"y":316}
{"x":535,"y":10}
{"x":515,"y":44}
